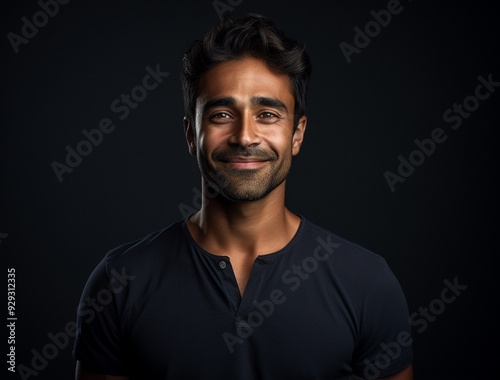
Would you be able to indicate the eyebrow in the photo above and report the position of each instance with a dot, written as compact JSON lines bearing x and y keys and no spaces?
{"x":269,"y":102}
{"x":255,"y":100}
{"x":217,"y":102}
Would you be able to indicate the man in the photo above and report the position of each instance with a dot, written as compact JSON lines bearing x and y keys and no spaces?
{"x":243,"y":288}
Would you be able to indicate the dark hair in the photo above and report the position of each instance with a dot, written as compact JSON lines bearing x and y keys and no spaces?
{"x":253,"y":35}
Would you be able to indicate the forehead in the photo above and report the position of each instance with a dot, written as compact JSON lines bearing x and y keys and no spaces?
{"x":245,"y":79}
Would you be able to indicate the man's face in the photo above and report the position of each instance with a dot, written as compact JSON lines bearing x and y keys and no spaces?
{"x":243,"y":132}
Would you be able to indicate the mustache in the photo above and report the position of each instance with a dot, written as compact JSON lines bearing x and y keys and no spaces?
{"x":259,"y":154}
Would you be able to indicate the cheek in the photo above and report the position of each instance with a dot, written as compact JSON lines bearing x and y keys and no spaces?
{"x":281,"y":143}
{"x":208,"y":141}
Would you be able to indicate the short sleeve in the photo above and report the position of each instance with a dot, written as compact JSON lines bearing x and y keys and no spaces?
{"x":385,"y":343}
{"x":99,"y":344}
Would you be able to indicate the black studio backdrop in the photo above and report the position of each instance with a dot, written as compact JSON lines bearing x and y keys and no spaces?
{"x":399,"y":157}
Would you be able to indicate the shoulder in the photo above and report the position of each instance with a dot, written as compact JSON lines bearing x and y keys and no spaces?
{"x":150,"y":250}
{"x":345,"y":250}
{"x":360,"y":272}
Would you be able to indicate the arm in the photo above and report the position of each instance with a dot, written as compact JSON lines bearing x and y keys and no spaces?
{"x":384,"y":350}
{"x":406,"y":374}
{"x":98,"y":347}
{"x":83,"y":373}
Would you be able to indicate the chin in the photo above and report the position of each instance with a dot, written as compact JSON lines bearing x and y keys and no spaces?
{"x":243,"y":193}
{"x":245,"y":198}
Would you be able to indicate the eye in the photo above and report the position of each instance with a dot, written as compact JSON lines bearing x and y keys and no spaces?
{"x":268,"y":117}
{"x":220,"y":117}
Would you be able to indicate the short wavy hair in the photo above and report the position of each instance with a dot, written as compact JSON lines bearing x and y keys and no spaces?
{"x":256,"y":36}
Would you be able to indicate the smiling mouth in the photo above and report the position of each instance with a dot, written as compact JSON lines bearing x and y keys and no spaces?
{"x":245,"y":162}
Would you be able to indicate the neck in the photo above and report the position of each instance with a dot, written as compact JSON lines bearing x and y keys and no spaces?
{"x":249,"y":228}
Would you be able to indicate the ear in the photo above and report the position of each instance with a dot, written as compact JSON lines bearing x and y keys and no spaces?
{"x":298,"y":135}
{"x":190,"y":138}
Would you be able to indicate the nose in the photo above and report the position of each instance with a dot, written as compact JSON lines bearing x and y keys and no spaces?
{"x":245,"y":133}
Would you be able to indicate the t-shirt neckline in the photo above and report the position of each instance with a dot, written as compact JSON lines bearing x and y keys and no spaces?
{"x":266,"y":257}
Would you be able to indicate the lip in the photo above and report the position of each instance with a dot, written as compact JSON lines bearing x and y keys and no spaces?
{"x":245,"y":162}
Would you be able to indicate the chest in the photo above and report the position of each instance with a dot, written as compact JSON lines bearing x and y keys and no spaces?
{"x":286,"y":324}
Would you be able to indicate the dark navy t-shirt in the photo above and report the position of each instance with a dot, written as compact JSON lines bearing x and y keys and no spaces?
{"x":320,"y":308}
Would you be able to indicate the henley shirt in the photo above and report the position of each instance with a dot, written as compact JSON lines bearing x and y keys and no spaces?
{"x":322,"y":307}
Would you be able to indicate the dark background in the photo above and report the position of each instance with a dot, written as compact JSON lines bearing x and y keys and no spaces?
{"x":439,"y":224}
